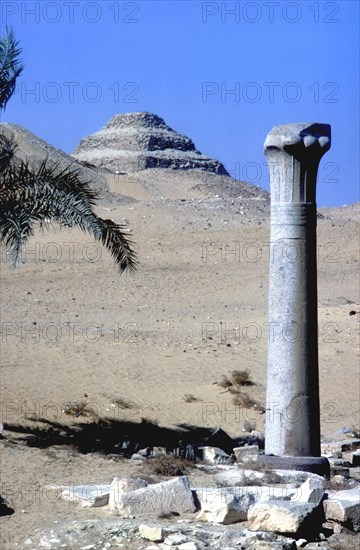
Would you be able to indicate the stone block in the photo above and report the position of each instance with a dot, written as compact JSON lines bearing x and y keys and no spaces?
{"x":160,"y":498}
{"x":151,"y":532}
{"x":222,"y":506}
{"x":121,"y":485}
{"x":312,"y":490}
{"x":344,"y":507}
{"x":176,"y":539}
{"x":282,"y":516}
{"x":241,"y":453}
{"x":86,"y":495}
{"x":215,"y":455}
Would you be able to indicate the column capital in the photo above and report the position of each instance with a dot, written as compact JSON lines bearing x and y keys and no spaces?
{"x":300,"y":139}
{"x":293,"y":152}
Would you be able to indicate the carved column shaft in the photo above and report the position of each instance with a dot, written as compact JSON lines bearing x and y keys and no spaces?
{"x":293,"y":152}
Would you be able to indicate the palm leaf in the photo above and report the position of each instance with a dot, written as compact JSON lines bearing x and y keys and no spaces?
{"x":46,"y":194}
{"x":10,"y":66}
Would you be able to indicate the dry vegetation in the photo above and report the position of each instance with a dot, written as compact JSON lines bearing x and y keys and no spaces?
{"x":169,"y":465}
{"x":190,"y":398}
{"x":234,"y":385}
{"x":80,"y":408}
{"x":123,"y":403}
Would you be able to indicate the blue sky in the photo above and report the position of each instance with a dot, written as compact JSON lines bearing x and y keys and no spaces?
{"x":222,"y":73}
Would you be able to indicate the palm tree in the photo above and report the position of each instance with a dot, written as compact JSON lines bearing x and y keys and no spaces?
{"x":46,"y":193}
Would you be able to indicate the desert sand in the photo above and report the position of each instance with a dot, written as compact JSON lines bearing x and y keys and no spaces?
{"x":74,"y":330}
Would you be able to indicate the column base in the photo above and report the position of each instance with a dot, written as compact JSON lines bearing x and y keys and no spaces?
{"x":313,"y":464}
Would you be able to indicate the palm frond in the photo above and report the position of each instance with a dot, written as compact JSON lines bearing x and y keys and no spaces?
{"x":48,"y":193}
{"x":118,"y":244}
{"x":10,"y":66}
{"x":16,"y":226}
{"x":8,"y":147}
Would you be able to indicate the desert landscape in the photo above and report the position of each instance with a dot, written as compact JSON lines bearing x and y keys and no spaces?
{"x":90,"y":357}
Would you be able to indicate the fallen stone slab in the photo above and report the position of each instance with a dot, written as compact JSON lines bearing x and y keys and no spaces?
{"x":160,"y":498}
{"x":242,"y":476}
{"x":259,"y":493}
{"x":89,"y":495}
{"x":247,"y":452}
{"x":221,"y":506}
{"x":285,"y":517}
{"x":220,"y":439}
{"x":344,"y":506}
{"x":214,"y":455}
{"x":138,"y":457}
{"x":312,"y":490}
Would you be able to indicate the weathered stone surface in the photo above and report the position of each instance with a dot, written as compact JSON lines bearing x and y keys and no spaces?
{"x":86,"y":495}
{"x":138,"y":456}
{"x":280,"y":517}
{"x":176,"y":539}
{"x":126,"y":484}
{"x":244,"y":476}
{"x":257,"y":493}
{"x":344,"y":506}
{"x":121,"y":485}
{"x":222,"y":506}
{"x":242,"y":453}
{"x":214,"y":455}
{"x":160,"y":498}
{"x":312,"y":490}
{"x":151,"y":532}
{"x":239,"y":476}
{"x":131,"y":142}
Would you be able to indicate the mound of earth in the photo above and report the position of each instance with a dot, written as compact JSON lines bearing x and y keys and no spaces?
{"x":32,"y":148}
{"x":131,"y":142}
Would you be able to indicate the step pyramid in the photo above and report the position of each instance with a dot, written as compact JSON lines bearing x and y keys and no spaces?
{"x":132,"y":142}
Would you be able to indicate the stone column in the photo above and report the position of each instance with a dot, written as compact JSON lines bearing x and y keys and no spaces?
{"x":292,"y":426}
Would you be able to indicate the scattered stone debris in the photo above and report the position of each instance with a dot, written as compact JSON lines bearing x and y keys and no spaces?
{"x":328,"y":447}
{"x":279,"y":509}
